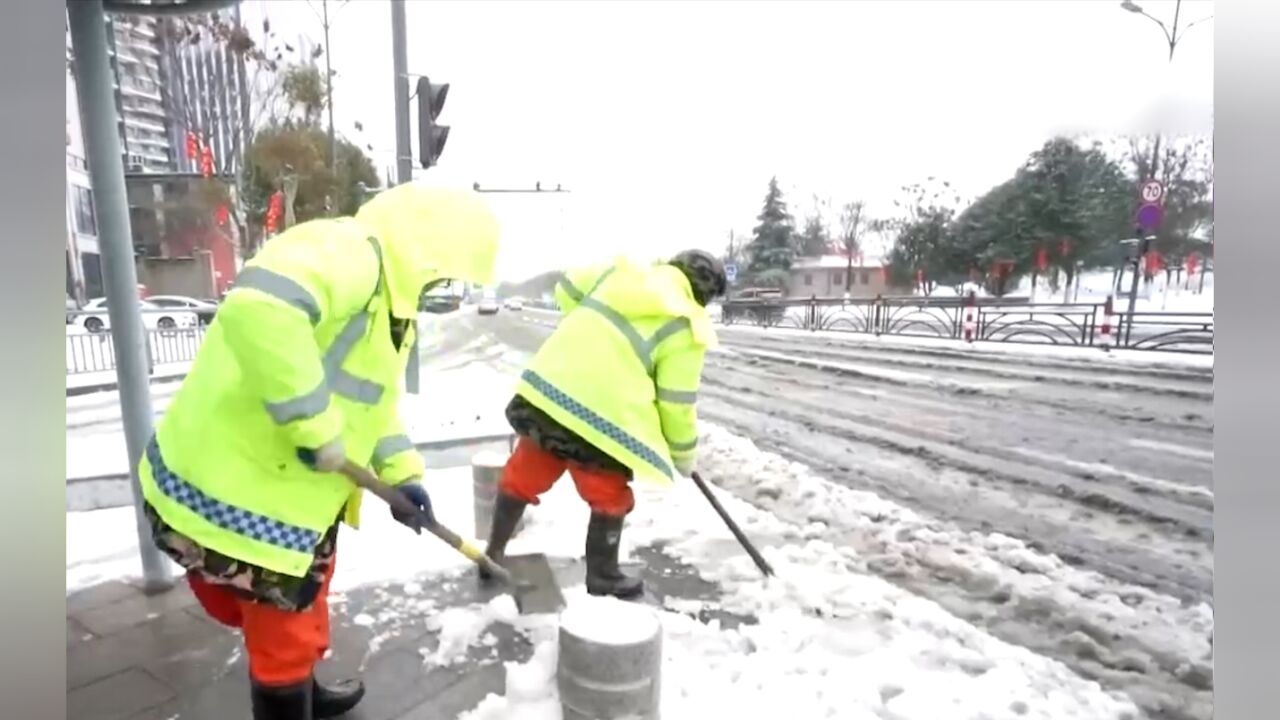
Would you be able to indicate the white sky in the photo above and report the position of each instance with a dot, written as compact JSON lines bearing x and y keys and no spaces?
{"x":667,"y":119}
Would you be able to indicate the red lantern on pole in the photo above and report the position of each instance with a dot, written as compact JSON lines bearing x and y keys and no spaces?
{"x":206,"y":162}
{"x":1154,"y":262}
{"x":193,"y":146}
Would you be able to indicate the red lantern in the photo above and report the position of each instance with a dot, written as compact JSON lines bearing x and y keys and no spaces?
{"x":193,"y":146}
{"x":1193,"y":261}
{"x":223,"y":214}
{"x":206,"y":162}
{"x":1042,"y":259}
{"x":1154,"y":262}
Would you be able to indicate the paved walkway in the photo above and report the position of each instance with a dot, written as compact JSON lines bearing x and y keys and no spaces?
{"x":133,"y":657}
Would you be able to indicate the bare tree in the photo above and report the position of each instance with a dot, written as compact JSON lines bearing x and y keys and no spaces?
{"x":853,"y":225}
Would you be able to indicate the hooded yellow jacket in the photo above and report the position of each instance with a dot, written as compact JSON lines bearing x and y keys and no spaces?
{"x":623,"y":367}
{"x":300,"y":354}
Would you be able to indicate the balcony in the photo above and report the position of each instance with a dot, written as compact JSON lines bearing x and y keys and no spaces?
{"x":131,"y":120}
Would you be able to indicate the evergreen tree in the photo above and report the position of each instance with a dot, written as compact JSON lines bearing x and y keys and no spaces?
{"x":814,"y":241}
{"x":770,"y":252}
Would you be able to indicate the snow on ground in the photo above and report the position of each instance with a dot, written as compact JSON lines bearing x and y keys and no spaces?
{"x":108,"y":377}
{"x":831,"y":641}
{"x":1093,"y":355}
{"x":1138,"y":625}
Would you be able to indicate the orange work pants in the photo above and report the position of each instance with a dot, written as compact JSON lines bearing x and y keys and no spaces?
{"x":283,"y":646}
{"x":531,"y":471}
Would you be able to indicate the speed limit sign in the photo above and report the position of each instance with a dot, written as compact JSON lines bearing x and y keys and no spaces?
{"x":1152,"y":192}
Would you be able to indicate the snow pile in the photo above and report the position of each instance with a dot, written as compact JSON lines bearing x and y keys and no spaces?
{"x":830,"y":641}
{"x":460,"y":628}
{"x":609,"y":621}
{"x":1125,"y":627}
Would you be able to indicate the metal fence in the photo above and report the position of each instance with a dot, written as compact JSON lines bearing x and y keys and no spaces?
{"x":1011,"y":320}
{"x":95,"y":352}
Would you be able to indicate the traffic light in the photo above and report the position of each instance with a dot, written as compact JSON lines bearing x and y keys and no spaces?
{"x":431,"y":137}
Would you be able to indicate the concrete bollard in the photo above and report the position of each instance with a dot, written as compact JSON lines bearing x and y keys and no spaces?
{"x":486,"y":471}
{"x":610,"y":661}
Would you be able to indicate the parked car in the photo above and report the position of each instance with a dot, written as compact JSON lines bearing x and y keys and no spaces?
{"x":488,"y":306}
{"x":440,"y":304}
{"x":93,"y":317}
{"x":514,"y":303}
{"x":204,"y":309}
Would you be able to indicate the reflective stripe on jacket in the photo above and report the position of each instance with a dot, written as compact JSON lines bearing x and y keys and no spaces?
{"x":300,"y":353}
{"x":623,"y":367}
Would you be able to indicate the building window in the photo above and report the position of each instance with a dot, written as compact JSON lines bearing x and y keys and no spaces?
{"x":808,"y":279}
{"x":86,"y":221}
{"x":866,"y":277}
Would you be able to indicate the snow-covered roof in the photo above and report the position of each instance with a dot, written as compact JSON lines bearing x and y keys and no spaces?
{"x":834,"y":262}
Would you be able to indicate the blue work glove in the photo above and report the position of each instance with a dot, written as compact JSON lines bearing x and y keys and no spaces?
{"x":419,"y":497}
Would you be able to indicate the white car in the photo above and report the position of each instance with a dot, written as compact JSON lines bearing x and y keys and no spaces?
{"x":514,"y":303}
{"x":488,"y":306}
{"x":93,"y":317}
{"x":204,"y":309}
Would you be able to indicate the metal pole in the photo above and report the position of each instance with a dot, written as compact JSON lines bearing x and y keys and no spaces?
{"x":106,"y":171}
{"x":1139,"y":251}
{"x":328,"y":79}
{"x":404,"y":149}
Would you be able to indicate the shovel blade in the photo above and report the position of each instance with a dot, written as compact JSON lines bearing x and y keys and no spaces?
{"x":537,"y":590}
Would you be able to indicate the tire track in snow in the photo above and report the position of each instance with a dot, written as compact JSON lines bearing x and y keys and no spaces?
{"x":1149,"y":645}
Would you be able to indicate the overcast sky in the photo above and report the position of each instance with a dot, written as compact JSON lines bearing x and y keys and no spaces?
{"x":667,"y":119}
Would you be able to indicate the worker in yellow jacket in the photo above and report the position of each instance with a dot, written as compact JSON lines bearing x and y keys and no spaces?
{"x":609,"y":397}
{"x":299,"y":372}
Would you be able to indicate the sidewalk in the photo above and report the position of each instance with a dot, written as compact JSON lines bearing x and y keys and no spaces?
{"x":133,"y":657}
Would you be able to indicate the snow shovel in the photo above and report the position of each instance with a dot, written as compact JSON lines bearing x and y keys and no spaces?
{"x":756,"y":557}
{"x":530,"y":596}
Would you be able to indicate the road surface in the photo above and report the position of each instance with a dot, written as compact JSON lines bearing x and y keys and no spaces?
{"x":1107,"y":465}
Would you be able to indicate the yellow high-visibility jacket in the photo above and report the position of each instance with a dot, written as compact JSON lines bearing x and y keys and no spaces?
{"x":300,"y":354}
{"x":623,"y":367}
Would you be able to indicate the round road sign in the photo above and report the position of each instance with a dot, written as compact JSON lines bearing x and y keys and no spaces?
{"x":1150,"y":216}
{"x":1152,"y":192}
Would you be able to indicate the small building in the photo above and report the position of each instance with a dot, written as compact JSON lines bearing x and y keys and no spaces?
{"x":824,"y":277}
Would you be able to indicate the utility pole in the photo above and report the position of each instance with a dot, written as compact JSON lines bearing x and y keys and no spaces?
{"x":404,"y":153}
{"x":328,"y":84}
{"x":115,"y":238}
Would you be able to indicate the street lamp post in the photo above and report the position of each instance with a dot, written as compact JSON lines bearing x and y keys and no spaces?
{"x":1172,"y":37}
{"x":1171,"y":34}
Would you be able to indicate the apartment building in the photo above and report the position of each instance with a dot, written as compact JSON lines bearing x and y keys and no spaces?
{"x":168,"y":83}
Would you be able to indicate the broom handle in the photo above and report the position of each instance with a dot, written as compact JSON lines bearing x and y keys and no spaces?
{"x":756,"y":557}
{"x":403,"y":506}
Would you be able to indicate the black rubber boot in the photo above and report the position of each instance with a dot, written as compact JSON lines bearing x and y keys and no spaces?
{"x":333,"y":700}
{"x":604,"y":577}
{"x":290,"y":702}
{"x":507,"y":512}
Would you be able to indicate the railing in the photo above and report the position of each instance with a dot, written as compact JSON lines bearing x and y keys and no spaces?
{"x":1011,"y":320}
{"x":92,"y":352}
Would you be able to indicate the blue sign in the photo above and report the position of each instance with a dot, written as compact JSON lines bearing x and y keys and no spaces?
{"x":1149,"y":216}
{"x":731,"y":272}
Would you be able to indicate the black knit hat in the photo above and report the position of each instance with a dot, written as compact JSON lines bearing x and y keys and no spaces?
{"x":705,"y":273}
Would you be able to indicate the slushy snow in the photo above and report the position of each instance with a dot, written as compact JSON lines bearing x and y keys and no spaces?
{"x":828,"y":639}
